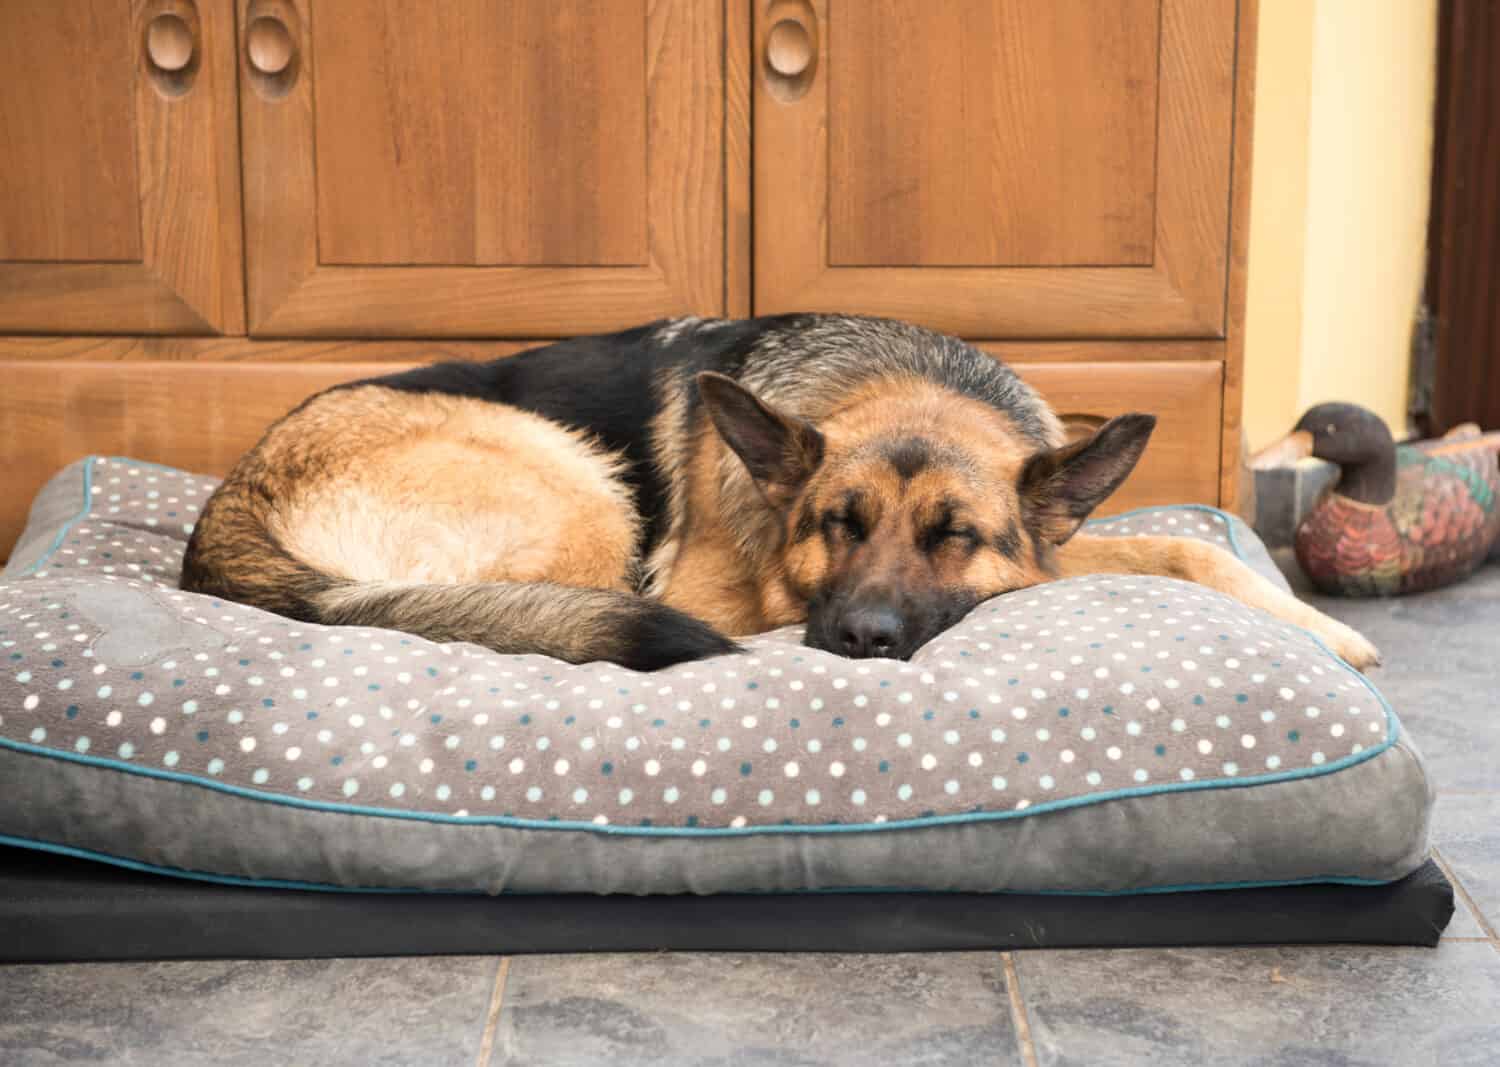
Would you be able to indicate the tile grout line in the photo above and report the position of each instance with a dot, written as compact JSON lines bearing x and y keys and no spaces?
{"x":1463,"y":894}
{"x":492,"y":1015}
{"x":1018,"y":1010}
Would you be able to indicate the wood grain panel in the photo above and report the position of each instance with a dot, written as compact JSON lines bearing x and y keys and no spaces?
{"x":476,"y":133}
{"x":1181,"y":293}
{"x":180,"y":168}
{"x":738,"y":159}
{"x":68,"y":181}
{"x":1236,"y":486}
{"x":1181,"y":464}
{"x":202,"y":416}
{"x":292,"y":293}
{"x":993,"y":133}
{"x":238,"y":349}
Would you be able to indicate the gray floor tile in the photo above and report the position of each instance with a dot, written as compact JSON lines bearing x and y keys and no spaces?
{"x":1467,"y":832}
{"x":1465,"y":924}
{"x":1439,"y":648}
{"x":666,"y":1010}
{"x":1269,"y":1007}
{"x":427,"y":1011}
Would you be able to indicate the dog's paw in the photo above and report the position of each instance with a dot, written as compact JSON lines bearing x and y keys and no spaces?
{"x":1347,"y":643}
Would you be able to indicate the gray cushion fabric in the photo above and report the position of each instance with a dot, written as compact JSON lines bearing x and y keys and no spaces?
{"x":1107,"y":734}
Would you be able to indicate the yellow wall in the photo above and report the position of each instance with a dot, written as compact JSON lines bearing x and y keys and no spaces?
{"x":1339,"y":198}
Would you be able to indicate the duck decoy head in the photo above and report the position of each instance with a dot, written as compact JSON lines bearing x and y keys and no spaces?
{"x":1353,"y":438}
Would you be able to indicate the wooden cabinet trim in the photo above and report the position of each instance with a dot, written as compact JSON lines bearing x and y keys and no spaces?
{"x":202,"y":415}
{"x":28,"y":348}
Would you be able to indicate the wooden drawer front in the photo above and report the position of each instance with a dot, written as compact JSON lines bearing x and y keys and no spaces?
{"x":202,"y":416}
{"x":1181,"y":464}
{"x":197,"y":416}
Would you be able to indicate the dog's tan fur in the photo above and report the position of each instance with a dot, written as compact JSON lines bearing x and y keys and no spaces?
{"x":462,"y":518}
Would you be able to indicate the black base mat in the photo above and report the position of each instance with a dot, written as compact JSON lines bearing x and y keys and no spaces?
{"x":55,"y":908}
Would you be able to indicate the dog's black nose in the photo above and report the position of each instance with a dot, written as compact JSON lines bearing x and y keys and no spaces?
{"x":870,"y":631}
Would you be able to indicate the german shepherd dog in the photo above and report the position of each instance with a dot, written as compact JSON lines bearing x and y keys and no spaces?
{"x":640,"y":497}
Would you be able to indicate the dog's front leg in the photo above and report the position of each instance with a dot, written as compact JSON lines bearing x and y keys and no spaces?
{"x":1210,"y":565}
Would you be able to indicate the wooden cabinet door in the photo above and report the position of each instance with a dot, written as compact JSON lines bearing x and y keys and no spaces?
{"x":119,"y":181}
{"x":478,"y":168}
{"x":996,"y":168}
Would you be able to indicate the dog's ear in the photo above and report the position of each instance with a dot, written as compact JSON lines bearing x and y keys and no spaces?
{"x":1059,"y":487}
{"x":780,"y":451}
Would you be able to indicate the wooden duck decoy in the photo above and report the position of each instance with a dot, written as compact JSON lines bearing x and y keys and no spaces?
{"x":1400,"y":518}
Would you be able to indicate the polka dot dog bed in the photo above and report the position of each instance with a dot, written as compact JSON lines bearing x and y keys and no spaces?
{"x":1102,"y":735}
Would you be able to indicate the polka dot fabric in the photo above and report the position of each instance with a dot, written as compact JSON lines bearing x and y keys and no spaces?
{"x":1066,"y":694}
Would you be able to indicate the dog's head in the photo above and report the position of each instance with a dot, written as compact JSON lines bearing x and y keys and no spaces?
{"x":910,"y":504}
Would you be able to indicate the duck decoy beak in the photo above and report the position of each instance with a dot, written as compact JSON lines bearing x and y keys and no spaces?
{"x":1285,"y":452}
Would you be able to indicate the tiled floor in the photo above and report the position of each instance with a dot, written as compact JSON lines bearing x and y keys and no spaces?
{"x":1336,"y":1006}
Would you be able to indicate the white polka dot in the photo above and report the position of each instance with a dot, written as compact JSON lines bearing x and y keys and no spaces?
{"x":581,"y":794}
{"x":626,"y":796}
{"x":718,"y":796}
{"x":560,"y":767}
{"x":1205,"y":746}
{"x":813,"y":797}
{"x":1140,"y":774}
{"x":158,"y":725}
{"x":1247,"y":740}
{"x":351,"y":786}
{"x":1186,"y":774}
{"x":1318,"y":757}
{"x":791,"y":770}
{"x":1112,"y":752}
{"x":1272,"y":762}
{"x":765,"y":797}
{"x":247,"y":744}
{"x":653,"y":768}
{"x":517,"y":765}
{"x":858,"y":798}
{"x":534,"y":794}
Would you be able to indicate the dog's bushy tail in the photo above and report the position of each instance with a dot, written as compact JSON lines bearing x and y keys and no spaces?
{"x":577,"y":625}
{"x":233,"y":555}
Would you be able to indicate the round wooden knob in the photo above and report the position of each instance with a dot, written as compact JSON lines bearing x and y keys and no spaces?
{"x":789,"y":48}
{"x":169,"y":43}
{"x":269,"y":45}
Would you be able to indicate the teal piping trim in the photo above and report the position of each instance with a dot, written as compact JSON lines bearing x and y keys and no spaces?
{"x":1392,"y":732}
{"x":963,"y":818}
{"x":88,"y":500}
{"x":83,"y":513}
{"x":1229,"y":520}
{"x":325,"y":887}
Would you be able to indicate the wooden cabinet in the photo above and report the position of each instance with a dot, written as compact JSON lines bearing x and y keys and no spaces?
{"x":472,"y":168}
{"x":119,"y":168}
{"x":999,"y":168}
{"x":332,"y":187}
